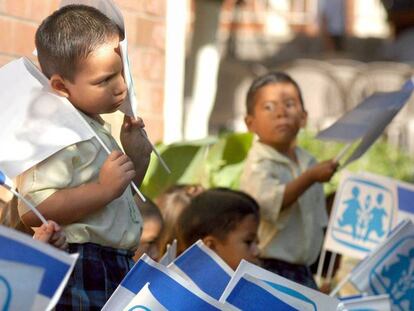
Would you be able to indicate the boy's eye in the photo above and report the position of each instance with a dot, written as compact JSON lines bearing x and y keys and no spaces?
{"x":289,"y":102}
{"x":269,"y":106}
{"x":106,"y":80}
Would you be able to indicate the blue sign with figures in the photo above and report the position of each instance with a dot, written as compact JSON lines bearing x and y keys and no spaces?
{"x":363,"y":214}
{"x":394,"y":274}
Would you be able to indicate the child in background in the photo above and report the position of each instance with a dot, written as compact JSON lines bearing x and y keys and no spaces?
{"x":226,"y":221}
{"x":153,"y":224}
{"x":171,"y":203}
{"x":284,"y":179}
{"x":81,"y":187}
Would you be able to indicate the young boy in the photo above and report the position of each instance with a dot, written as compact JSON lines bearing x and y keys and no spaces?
{"x":81,"y":187}
{"x":284,"y":179}
{"x":225,"y":220}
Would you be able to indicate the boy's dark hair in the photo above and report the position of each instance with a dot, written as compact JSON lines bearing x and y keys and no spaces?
{"x":269,"y":78}
{"x":214,"y":212}
{"x":67,"y":36}
{"x":148,"y":209}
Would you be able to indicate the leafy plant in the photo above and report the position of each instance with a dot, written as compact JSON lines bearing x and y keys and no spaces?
{"x":218,"y":161}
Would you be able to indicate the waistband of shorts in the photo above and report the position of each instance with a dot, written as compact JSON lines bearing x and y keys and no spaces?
{"x":92,"y":249}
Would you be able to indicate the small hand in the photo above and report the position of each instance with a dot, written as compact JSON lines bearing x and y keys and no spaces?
{"x":51,"y":233}
{"x":323,"y":171}
{"x":116,"y":173}
{"x":133,"y":138}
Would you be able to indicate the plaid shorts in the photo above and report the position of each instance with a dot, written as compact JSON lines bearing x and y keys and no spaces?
{"x":97,"y":273}
{"x":298,"y":273}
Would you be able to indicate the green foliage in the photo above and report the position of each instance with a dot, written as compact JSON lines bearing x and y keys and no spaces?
{"x":218,"y":162}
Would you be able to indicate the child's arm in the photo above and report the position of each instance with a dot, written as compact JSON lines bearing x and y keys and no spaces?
{"x":67,"y":206}
{"x":136,"y":146}
{"x":51,"y":233}
{"x":320,"y":172}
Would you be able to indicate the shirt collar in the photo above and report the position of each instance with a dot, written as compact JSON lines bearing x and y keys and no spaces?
{"x":271,"y":153}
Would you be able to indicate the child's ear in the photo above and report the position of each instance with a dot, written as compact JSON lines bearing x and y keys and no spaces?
{"x":304,"y":119}
{"x":249,"y":121}
{"x":57,"y":83}
{"x":210,"y":242}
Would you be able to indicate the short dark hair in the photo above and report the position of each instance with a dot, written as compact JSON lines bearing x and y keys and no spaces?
{"x":67,"y":36}
{"x":269,"y":78}
{"x":148,"y":209}
{"x":214,"y":212}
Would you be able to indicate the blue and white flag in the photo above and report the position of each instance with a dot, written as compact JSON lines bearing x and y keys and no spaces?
{"x":55,"y":264}
{"x":389,"y":269}
{"x":167,"y":288}
{"x":291,"y":293}
{"x":365,"y":303}
{"x":204,"y":268}
{"x":19,"y":285}
{"x":35,"y":122}
{"x":364,"y":212}
{"x":251,"y":294}
{"x":368,"y":120}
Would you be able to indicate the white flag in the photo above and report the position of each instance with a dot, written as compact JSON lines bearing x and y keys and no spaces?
{"x":57,"y":265}
{"x":368,"y":120}
{"x":364,"y":212}
{"x":36,"y":123}
{"x":389,"y":269}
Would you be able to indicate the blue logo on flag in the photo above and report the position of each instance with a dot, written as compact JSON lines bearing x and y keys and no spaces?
{"x":5,"y":304}
{"x":294,"y":293}
{"x":394,"y":274}
{"x":139,"y":308}
{"x":364,"y":214}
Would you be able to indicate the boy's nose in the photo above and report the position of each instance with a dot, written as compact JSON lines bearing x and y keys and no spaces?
{"x":120,"y":86}
{"x":280,"y":111}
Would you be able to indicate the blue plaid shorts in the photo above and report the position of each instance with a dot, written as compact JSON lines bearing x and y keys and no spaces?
{"x":96,"y":275}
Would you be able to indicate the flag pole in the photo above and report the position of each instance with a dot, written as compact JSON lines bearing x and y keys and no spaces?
{"x":155,"y":151}
{"x":30,"y":205}
{"x":340,"y":285}
{"x":320,"y":266}
{"x":342,"y":153}
{"x":331,"y":267}
{"x":134,"y":186}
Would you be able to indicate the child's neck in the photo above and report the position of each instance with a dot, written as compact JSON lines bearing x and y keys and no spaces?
{"x":97,"y":118}
{"x":288,"y":151}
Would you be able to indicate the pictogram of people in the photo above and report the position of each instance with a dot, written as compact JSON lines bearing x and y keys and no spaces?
{"x":363,"y":218}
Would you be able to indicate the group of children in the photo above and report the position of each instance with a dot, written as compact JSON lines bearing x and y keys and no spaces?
{"x":88,"y":193}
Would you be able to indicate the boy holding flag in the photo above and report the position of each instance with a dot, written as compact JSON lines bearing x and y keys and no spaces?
{"x":80,"y":187}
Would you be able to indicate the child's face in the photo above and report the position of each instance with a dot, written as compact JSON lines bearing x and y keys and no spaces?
{"x":148,"y":242}
{"x":240,"y":243}
{"x":99,"y":86}
{"x":278,"y":115}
